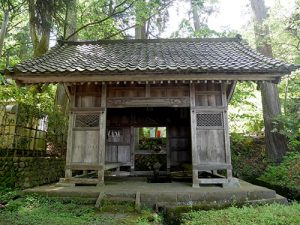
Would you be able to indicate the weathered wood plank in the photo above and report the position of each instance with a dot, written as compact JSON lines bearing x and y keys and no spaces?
{"x":85,"y":77}
{"x":84,"y":166}
{"x":212,"y":166}
{"x":85,"y":146}
{"x":124,"y":153}
{"x":210,"y":146}
{"x":111,"y":154}
{"x":87,"y":109}
{"x":147,"y":102}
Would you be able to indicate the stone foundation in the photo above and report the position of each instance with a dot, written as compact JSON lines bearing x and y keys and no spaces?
{"x":25,"y":172}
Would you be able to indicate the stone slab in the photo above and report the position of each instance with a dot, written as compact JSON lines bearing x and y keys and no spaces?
{"x":176,"y":193}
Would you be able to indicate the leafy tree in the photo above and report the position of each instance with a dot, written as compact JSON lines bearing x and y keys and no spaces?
{"x":275,"y":142}
{"x":196,"y":24}
{"x":285,"y":40}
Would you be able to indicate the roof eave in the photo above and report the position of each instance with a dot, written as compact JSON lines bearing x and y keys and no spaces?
{"x":29,"y":78}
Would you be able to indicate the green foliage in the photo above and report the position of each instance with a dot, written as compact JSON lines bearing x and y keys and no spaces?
{"x":9,"y":180}
{"x":267,"y":214}
{"x":245,"y":110}
{"x":147,"y":161}
{"x":286,"y":174}
{"x":34,"y":103}
{"x":249,"y":158}
{"x":156,"y":144}
{"x":186,"y":30}
{"x":17,"y":43}
{"x":284,"y":38}
{"x":8,"y":194}
{"x":288,"y":123}
{"x":38,"y":210}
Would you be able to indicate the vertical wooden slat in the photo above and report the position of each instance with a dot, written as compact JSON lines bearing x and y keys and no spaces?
{"x":147,"y":90}
{"x":211,"y":99}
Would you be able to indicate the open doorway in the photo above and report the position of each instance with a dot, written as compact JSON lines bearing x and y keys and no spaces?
{"x":139,"y":138}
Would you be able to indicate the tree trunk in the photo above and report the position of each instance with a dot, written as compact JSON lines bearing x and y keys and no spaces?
{"x":40,"y":37}
{"x":70,"y":27}
{"x":3,"y":30}
{"x":140,"y":29}
{"x":276,"y":144}
{"x":196,"y":20}
{"x":71,"y":20}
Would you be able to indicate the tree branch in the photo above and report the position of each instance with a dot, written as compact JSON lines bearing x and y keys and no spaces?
{"x":133,"y":26}
{"x":114,"y":13}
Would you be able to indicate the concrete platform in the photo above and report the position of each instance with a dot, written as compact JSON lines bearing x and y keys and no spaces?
{"x":162,"y":194}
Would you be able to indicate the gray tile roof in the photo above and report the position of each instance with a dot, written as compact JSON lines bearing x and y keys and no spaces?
{"x":219,"y":55}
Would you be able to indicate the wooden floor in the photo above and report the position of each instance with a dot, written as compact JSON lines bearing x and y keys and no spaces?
{"x":164,"y":194}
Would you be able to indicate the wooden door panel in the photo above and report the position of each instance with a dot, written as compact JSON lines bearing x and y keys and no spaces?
{"x":123,"y":153}
{"x":210,"y":145}
{"x":85,"y":146}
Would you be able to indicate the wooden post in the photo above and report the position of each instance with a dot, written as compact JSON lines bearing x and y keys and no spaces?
{"x":68,"y":172}
{"x":102,"y":135}
{"x":193,"y":135}
{"x":132,"y":147}
{"x":226,"y":131}
{"x":168,"y":152}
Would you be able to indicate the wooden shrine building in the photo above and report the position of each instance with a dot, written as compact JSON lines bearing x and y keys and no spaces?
{"x":136,"y":103}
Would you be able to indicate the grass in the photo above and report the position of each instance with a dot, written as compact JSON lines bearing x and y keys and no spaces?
{"x":38,"y":210}
{"x":273,"y":214}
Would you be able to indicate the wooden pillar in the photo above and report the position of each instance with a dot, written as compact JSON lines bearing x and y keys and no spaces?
{"x":193,"y":136}
{"x":226,"y":131}
{"x":68,"y":171}
{"x":102,"y":135}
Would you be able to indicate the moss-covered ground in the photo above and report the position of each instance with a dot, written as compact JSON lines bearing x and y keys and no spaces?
{"x":38,"y":210}
{"x":16,"y":209}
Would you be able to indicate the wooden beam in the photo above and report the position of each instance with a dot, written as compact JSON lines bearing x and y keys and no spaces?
{"x":67,"y":91}
{"x":212,"y":166}
{"x":230,"y":90}
{"x":83,"y":77}
{"x":148,"y":102}
{"x":83,"y":166}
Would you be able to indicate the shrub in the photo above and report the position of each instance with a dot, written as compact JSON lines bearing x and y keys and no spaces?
{"x":286,"y":174}
{"x":249,"y":158}
{"x":267,"y":214}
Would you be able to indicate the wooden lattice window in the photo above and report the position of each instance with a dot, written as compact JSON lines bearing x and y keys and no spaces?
{"x":209,"y":120}
{"x":87,"y":120}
